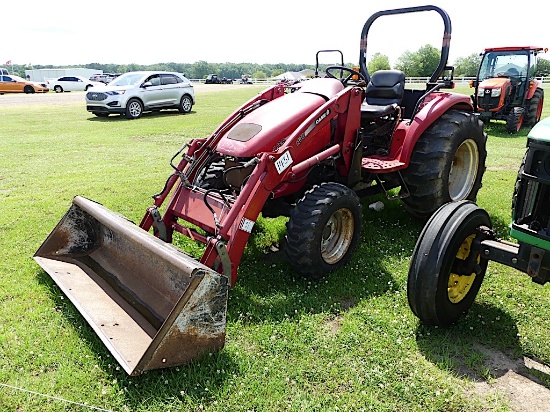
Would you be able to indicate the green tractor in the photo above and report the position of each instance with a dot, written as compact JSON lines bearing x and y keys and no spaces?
{"x":456,"y":244}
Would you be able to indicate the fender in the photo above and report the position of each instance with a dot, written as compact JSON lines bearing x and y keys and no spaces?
{"x":533,"y":86}
{"x":434,"y":106}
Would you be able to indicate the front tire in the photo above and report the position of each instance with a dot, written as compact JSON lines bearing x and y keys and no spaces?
{"x":134,"y":109}
{"x":323,"y":230}
{"x":58,"y":89}
{"x":186,"y":103}
{"x":514,"y":120}
{"x":28,"y":90}
{"x":447,"y":164}
{"x":446,"y":269}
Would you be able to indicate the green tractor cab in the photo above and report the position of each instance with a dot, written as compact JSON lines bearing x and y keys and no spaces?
{"x":456,"y":244}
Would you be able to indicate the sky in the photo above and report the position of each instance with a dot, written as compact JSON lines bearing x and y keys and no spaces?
{"x":124,"y":32}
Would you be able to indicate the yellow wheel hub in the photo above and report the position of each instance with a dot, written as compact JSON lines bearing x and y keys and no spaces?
{"x":459,"y":285}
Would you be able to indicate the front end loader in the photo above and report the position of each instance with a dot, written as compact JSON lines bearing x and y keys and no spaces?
{"x":309,"y":154}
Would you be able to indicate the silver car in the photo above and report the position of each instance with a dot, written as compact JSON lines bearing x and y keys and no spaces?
{"x":133,"y":93}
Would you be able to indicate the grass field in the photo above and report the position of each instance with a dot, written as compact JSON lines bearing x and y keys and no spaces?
{"x":346,"y":343}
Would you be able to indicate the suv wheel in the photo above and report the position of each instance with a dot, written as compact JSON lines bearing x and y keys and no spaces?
{"x":186,"y":103}
{"x":134,"y":109}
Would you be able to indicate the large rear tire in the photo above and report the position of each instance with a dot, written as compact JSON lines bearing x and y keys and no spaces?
{"x":323,"y":230}
{"x":447,"y":164}
{"x":446,"y":269}
{"x":534,"y":108}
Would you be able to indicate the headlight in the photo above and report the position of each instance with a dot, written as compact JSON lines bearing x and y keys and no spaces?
{"x":495,"y":92}
{"x":115,"y":92}
{"x":480,"y":92}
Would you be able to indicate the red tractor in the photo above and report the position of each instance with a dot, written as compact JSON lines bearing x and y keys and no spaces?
{"x":506,"y":87}
{"x":310,"y":155}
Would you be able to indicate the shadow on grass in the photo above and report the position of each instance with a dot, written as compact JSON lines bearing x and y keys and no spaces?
{"x":155,"y":113}
{"x":482,"y":346}
{"x":497,"y":128}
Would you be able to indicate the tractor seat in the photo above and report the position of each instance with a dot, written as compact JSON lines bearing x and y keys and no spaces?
{"x":383,"y":94}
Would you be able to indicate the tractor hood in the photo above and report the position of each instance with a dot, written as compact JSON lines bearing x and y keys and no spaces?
{"x":541,"y":131}
{"x":267,"y":128}
{"x":494,"y":82}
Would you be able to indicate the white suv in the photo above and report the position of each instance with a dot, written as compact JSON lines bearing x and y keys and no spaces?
{"x":133,"y":93}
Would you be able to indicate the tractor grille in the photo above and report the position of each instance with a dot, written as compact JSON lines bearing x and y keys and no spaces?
{"x":531,"y":211}
{"x":487,"y":102}
{"x":96,"y":96}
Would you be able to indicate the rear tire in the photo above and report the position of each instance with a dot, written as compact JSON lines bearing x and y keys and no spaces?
{"x":186,"y":103}
{"x":134,"y":109}
{"x":439,"y":291}
{"x":323,"y":230}
{"x":534,"y":108}
{"x":447,"y":164}
{"x":514,"y":120}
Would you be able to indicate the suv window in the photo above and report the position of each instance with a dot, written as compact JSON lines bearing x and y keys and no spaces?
{"x":155,"y":80}
{"x":169,"y":79}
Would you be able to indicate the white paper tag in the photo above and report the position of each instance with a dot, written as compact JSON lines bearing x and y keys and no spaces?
{"x":283,"y":162}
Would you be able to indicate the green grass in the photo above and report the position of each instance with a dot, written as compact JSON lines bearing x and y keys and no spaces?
{"x":348,"y":342}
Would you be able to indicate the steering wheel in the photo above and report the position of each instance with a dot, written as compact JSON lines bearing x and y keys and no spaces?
{"x":345,"y":80}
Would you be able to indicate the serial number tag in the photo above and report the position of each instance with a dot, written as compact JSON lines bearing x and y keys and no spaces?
{"x":246,"y":225}
{"x":283,"y":162}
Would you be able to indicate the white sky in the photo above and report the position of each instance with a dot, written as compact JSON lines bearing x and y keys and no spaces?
{"x":63,"y":32}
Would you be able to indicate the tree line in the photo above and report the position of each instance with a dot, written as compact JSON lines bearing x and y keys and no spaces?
{"x":420,"y":63}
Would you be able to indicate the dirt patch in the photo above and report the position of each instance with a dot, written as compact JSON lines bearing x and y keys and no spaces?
{"x":514,"y":381}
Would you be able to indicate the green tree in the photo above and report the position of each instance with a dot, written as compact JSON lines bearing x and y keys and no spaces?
{"x":201,"y":69}
{"x":467,"y":66}
{"x":421,"y":63}
{"x":378,"y":62}
{"x":543,"y":68}
{"x":259,"y":75}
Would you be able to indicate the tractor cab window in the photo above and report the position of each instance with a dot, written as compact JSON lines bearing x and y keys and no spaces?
{"x":497,"y":64}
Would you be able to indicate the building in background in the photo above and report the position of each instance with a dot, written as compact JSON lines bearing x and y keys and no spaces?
{"x":41,"y":75}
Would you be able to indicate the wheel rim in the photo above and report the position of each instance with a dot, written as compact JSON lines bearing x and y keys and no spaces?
{"x":459,"y":285}
{"x":135,"y":109}
{"x":186,"y":104}
{"x":337,"y":236}
{"x":463,"y":171}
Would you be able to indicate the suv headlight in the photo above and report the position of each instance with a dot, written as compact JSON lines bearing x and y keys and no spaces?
{"x":115,"y":92}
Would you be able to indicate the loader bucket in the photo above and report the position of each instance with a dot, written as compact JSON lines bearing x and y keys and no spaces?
{"x":152,"y":305}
